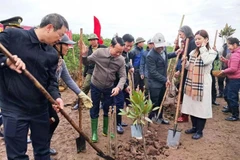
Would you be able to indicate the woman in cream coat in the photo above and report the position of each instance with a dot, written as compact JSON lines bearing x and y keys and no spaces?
{"x":197,"y":101}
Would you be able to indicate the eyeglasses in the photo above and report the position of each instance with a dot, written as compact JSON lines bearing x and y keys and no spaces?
{"x":60,"y":34}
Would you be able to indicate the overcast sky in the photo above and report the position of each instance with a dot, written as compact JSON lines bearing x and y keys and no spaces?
{"x":141,"y":18}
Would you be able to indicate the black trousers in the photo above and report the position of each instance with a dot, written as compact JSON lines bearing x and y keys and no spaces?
{"x":138,"y":80}
{"x":221,"y":85}
{"x":198,"y":123}
{"x":156,"y":96}
{"x":53,"y":125}
{"x":214,"y":90}
{"x":16,"y":126}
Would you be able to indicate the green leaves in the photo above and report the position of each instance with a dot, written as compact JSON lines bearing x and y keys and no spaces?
{"x":139,"y":108}
{"x":227,"y":31}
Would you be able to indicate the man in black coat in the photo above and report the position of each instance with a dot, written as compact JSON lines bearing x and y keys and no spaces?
{"x":157,"y":64}
{"x":23,"y":106}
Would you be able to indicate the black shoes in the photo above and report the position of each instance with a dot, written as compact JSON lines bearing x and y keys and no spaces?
{"x":124,"y":124}
{"x":160,"y":120}
{"x":120,"y":129}
{"x":232,"y":118}
{"x":225,"y":107}
{"x":164,"y":121}
{"x":197,"y":136}
{"x":215,"y":103}
{"x":52,"y":151}
{"x":191,"y":131}
{"x":226,"y":110}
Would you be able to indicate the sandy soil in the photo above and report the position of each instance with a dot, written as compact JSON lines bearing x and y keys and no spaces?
{"x":220,"y":142}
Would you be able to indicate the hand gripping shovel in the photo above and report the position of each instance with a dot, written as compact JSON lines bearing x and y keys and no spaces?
{"x":173,"y":137}
{"x":48,"y":96}
{"x":80,"y":141}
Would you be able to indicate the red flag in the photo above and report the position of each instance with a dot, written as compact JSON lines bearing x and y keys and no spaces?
{"x":97,"y":29}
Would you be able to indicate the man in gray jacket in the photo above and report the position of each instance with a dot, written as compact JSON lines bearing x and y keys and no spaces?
{"x":108,"y":62}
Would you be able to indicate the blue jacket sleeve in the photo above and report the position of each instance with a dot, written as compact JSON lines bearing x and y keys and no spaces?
{"x":142,"y":64}
{"x":68,"y":79}
{"x":171,"y":55}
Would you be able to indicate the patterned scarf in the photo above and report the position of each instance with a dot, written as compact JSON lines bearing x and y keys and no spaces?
{"x":194,"y":81}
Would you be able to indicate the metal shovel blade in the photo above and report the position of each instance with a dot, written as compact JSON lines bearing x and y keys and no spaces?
{"x":81,"y":144}
{"x":173,"y":139}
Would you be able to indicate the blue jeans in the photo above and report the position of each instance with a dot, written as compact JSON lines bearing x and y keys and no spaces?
{"x":96,"y":97}
{"x":16,"y":126}
{"x":232,"y":93}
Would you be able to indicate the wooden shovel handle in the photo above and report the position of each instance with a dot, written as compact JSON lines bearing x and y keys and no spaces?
{"x":168,"y":88}
{"x":80,"y":113}
{"x":49,"y":97}
{"x":215,"y":39}
{"x":80,"y":79}
{"x":181,"y":81}
{"x":161,"y":105}
{"x":170,"y":61}
{"x":109,"y":130}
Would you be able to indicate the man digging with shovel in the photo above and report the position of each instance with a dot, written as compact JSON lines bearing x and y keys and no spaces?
{"x":23,"y":105}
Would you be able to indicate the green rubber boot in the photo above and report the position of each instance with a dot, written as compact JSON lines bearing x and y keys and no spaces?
{"x":105,"y":126}
{"x":94,"y":123}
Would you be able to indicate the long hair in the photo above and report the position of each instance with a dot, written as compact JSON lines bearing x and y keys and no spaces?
{"x":204,"y":34}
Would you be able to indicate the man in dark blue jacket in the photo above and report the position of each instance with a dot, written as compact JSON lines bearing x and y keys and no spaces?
{"x":136,"y":55}
{"x":157,"y":64}
{"x":23,"y":105}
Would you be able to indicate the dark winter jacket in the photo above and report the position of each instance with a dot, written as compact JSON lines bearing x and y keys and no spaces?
{"x":143,"y":65}
{"x":157,"y":68}
{"x":17,"y":92}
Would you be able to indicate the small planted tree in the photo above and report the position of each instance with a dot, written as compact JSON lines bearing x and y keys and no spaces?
{"x":138,"y":111}
{"x":226,"y":32}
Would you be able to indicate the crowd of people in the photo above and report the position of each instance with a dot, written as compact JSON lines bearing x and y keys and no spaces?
{"x":41,"y":50}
